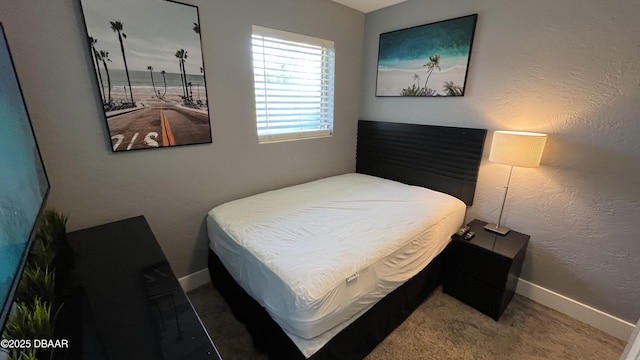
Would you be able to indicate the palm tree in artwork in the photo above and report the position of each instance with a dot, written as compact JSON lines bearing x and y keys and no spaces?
{"x":164,"y":80}
{"x":416,"y":77}
{"x":196,"y":28}
{"x":117,"y":26}
{"x":434,"y":63}
{"x":182,"y":55}
{"x":104,"y":56}
{"x":150,"y":68}
{"x":451,"y":89}
{"x":178,"y":54}
{"x":96,"y":59}
{"x":198,"y":85}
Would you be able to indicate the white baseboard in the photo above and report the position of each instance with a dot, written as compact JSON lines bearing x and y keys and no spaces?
{"x":588,"y":315}
{"x":195,"y":280}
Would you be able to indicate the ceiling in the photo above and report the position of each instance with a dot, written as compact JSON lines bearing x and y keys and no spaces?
{"x":368,"y":5}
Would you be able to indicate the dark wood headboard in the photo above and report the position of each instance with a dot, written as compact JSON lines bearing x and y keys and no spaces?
{"x":441,"y":158}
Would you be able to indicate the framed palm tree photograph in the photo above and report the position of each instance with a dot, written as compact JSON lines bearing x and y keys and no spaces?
{"x":427,"y":60}
{"x":149,"y":72}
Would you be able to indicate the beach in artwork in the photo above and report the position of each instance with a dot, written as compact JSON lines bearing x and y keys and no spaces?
{"x":391,"y":80}
{"x":167,"y":87}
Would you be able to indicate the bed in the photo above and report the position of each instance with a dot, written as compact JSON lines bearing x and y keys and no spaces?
{"x":327,"y":269}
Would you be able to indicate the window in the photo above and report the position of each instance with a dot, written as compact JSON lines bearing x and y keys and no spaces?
{"x":293,"y":79}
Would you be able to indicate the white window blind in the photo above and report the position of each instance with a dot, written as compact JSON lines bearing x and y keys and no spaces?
{"x":293,"y":79}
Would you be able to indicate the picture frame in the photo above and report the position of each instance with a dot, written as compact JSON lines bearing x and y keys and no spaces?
{"x":149,"y":72}
{"x":430,"y":60}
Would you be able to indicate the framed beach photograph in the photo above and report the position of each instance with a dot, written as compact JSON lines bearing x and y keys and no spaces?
{"x":149,"y":70}
{"x":427,"y":60}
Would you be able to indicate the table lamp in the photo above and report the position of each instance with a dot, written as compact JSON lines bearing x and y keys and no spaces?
{"x":514,"y":148}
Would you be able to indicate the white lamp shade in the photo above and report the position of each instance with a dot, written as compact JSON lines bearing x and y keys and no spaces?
{"x":517,"y":148}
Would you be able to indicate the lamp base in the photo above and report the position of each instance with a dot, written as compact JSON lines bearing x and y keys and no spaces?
{"x":502,"y":230}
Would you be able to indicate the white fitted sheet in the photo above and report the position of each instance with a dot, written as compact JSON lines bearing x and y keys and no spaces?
{"x":293,"y":249}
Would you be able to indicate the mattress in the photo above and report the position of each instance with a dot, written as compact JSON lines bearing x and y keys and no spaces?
{"x":318,"y":255}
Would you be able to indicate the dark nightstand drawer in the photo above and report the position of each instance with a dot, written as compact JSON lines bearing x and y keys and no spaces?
{"x":482,"y":265}
{"x":479,"y":295}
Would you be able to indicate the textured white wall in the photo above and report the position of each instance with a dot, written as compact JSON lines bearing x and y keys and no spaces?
{"x":174,"y":188}
{"x":567,"y":68}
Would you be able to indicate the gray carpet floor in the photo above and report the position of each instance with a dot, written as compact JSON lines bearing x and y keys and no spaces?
{"x":444,"y":328}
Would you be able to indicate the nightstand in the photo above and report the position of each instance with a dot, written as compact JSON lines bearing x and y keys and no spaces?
{"x":483,"y":272}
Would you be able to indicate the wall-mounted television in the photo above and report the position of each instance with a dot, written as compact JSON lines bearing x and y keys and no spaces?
{"x":24,"y":185}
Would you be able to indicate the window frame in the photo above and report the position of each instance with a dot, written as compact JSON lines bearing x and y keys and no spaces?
{"x":325,"y":86}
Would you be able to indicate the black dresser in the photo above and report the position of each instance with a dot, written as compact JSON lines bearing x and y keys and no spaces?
{"x":483,"y":272}
{"x":127,"y":303}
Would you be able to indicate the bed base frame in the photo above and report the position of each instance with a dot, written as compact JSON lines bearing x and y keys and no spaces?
{"x":352,"y":343}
